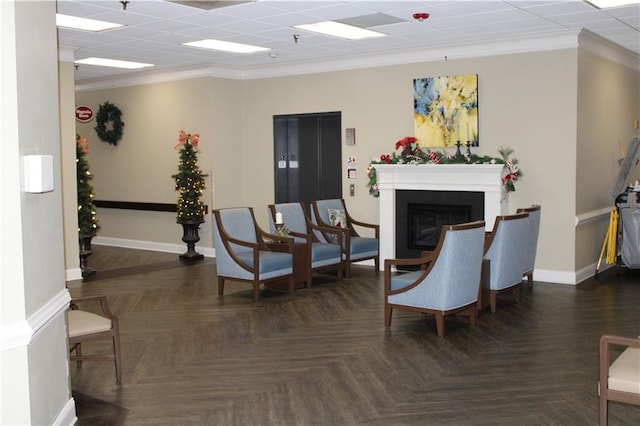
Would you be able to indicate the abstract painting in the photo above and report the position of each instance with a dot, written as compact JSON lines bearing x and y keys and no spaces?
{"x":445,"y":110}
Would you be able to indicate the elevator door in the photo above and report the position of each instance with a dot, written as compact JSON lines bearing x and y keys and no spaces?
{"x":308,"y":157}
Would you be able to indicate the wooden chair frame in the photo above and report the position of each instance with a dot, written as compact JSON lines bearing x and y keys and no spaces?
{"x":426,"y":263}
{"x":493,"y":294}
{"x":349,"y":231}
{"x":75,"y":343}
{"x":261,"y":245}
{"x":606,"y":394}
{"x":310,"y":237}
{"x":533,"y":208}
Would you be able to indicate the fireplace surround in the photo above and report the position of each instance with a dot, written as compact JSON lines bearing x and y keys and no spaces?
{"x":482,"y":178}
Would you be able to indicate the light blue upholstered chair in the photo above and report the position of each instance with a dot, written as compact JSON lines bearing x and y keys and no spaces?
{"x":506,"y":253}
{"x":241,"y":252}
{"x":355,"y":247}
{"x":449,"y":281}
{"x":322,"y":255}
{"x":532,"y":241}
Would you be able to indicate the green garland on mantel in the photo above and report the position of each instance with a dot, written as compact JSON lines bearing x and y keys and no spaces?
{"x":109,"y":123}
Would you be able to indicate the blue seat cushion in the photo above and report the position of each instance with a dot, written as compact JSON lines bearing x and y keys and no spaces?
{"x":363,"y":246}
{"x":401,"y":281}
{"x":322,"y":251}
{"x":269,"y":261}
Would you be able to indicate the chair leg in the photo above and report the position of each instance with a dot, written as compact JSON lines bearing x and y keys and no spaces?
{"x":494,"y":302}
{"x":78,"y":349}
{"x":473,"y":314}
{"x":604,"y":418}
{"x":339,"y":271}
{"x":256,"y":292}
{"x":220,"y":286}
{"x":440,"y":324}
{"x":516,"y":294}
{"x":292,"y":285}
{"x":347,"y":269}
{"x":530,"y":279}
{"x":376,"y":262}
{"x":116,"y":354}
{"x":388,"y":310}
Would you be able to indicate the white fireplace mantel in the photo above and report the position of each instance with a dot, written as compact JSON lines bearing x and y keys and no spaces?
{"x":484,"y":178}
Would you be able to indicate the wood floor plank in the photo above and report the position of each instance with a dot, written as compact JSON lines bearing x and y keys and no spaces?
{"x":322,"y":356}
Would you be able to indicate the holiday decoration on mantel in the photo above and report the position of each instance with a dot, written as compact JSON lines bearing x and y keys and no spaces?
{"x":190,"y":184}
{"x":88,"y":224}
{"x":109,"y":123}
{"x":411,"y":153}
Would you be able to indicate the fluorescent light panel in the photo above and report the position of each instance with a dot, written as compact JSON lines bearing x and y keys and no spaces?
{"x":225,"y":46}
{"x":114,"y":63}
{"x":338,"y":29}
{"x":603,"y":4}
{"x":83,"y":24}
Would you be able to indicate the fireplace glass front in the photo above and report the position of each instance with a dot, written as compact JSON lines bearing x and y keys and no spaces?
{"x":426,"y":220}
{"x":420,"y":216}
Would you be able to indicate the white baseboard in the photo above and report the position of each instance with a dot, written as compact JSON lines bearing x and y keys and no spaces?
{"x":151,"y":245}
{"x":67,"y":417}
{"x":543,"y":275}
{"x":73,"y":274}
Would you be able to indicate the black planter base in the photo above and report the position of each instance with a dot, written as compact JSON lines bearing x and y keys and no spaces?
{"x":85,"y":252}
{"x":191,"y":256}
{"x":190,"y":237}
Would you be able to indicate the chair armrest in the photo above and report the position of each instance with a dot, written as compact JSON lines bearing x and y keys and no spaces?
{"x":352,"y":221}
{"x":604,"y":361}
{"x":606,"y":342}
{"x":104,"y":305}
{"x":324,"y":230}
{"x":425,"y":263}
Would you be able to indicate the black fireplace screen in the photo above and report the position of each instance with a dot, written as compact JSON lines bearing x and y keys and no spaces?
{"x":425,"y":221}
{"x":421,"y":214}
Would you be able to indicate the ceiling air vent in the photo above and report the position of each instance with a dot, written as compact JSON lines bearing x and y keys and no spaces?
{"x":210,"y":4}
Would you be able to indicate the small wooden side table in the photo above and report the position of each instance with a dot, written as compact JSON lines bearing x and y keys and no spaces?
{"x":301,"y":265}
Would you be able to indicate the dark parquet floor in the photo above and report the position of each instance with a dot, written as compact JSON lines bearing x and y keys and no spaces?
{"x":323,"y":357}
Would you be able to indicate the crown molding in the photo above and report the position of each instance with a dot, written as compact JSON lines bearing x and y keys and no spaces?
{"x":570,"y":39}
{"x":602,"y":47}
{"x":66,"y":53}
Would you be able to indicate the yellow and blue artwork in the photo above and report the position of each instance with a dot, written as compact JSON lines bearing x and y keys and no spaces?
{"x":445,"y":110}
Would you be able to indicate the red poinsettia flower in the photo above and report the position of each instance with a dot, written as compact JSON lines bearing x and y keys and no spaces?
{"x":405,"y":142}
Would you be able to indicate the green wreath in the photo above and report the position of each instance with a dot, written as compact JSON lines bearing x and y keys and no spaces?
{"x":109,"y":113}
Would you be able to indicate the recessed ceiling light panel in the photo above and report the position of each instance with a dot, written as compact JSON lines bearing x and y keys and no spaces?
{"x":114,"y":63}
{"x":603,"y":4}
{"x":338,"y":29}
{"x":225,"y":46}
{"x":83,"y":24}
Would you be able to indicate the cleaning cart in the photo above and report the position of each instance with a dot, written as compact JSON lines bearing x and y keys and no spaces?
{"x":628,"y":205}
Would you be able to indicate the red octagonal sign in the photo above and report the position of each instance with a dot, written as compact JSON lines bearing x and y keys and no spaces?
{"x":84,"y":113}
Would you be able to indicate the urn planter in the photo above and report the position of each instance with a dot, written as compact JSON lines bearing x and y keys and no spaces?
{"x":85,"y":252}
{"x":190,"y":237}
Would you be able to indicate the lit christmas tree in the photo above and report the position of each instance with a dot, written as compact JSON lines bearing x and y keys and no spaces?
{"x":189,"y":180}
{"x":88,"y":224}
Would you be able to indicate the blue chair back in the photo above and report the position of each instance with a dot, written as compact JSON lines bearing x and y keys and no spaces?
{"x":532,"y":237}
{"x":323,"y":213}
{"x":293,"y":217}
{"x":454,"y":278}
{"x":239,"y":224}
{"x":508,"y":250}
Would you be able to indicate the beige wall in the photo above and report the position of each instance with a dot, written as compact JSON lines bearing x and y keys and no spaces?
{"x":527,"y":101}
{"x":34,"y":359}
{"x":608,"y":104}
{"x":68,"y":168}
{"x":139,"y":168}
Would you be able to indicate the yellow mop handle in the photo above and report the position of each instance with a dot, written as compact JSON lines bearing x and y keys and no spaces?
{"x":612,"y":235}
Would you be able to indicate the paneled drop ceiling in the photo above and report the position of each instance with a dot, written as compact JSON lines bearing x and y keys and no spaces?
{"x":154,"y":30}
